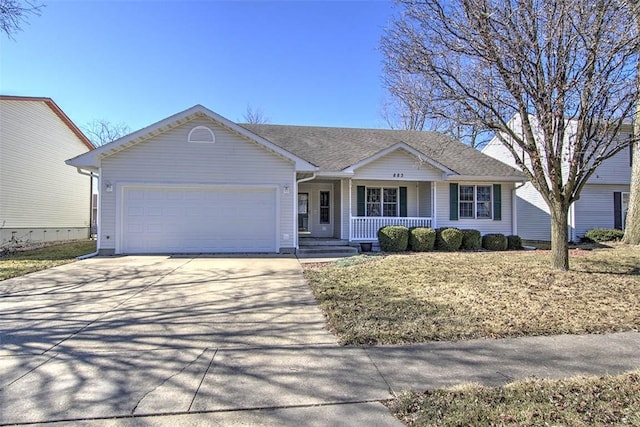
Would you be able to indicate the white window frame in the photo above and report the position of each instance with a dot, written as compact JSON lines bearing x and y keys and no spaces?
{"x":475,"y":202}
{"x":382,"y":202}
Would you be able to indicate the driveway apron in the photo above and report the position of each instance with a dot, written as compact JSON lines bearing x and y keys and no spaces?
{"x":154,"y":335}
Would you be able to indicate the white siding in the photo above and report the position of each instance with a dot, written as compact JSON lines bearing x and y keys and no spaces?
{"x":485,"y":226}
{"x":616,"y":170}
{"x":169,"y":159}
{"x":399,"y":166}
{"x":498,"y":151}
{"x":37,"y":189}
{"x":595,"y":207}
{"x":534,"y":219}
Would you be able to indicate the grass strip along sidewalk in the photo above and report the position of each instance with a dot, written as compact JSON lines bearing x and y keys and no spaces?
{"x":578,"y":401}
{"x":23,"y":262}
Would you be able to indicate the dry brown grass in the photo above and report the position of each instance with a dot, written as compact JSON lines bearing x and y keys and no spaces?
{"x":592,"y":401}
{"x":21,"y":263}
{"x":452,"y":296}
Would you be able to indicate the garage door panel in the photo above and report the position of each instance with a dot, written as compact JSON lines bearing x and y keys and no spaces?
{"x":199,"y":220}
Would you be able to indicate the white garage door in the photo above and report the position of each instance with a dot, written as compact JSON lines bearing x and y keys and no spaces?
{"x":198,"y":220}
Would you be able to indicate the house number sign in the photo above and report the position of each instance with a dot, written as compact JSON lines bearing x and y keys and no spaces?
{"x":398,"y":175}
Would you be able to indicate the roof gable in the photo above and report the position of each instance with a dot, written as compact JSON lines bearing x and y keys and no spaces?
{"x":93,"y":158}
{"x":397,"y":147}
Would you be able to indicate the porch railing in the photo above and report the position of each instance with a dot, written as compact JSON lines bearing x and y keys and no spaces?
{"x":366,"y":227}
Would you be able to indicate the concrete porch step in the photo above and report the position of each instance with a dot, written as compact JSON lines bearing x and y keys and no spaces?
{"x":318,"y":241}
{"x":326,"y":251}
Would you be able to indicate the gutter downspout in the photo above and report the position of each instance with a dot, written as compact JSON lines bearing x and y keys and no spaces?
{"x":295,"y":219}
{"x":93,"y":176}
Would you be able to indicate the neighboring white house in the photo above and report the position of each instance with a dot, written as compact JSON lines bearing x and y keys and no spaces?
{"x":41,"y":198}
{"x":603,"y":201}
{"x":197,"y":182}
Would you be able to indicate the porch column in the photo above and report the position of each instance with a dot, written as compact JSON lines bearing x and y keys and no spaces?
{"x":350,"y":211}
{"x":434,"y":206}
{"x":417,"y":198}
{"x":514,"y":211}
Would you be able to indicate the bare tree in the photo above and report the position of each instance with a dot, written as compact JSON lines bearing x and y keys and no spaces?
{"x":255,"y":117}
{"x":561,"y":66}
{"x":102,"y":132}
{"x":632,"y":223}
{"x":14,"y":14}
{"x":415,"y":104}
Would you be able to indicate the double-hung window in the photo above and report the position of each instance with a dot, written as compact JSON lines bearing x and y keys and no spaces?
{"x":382,"y":202}
{"x":475,"y":201}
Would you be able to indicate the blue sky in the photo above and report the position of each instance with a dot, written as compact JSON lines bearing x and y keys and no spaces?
{"x":137,"y":62}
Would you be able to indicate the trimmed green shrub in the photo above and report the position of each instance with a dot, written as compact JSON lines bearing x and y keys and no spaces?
{"x":603,"y":235}
{"x":422,"y":239}
{"x":448,"y":239}
{"x":514,"y":243}
{"x":471,"y":240}
{"x":495,"y":242}
{"x":393,"y":238}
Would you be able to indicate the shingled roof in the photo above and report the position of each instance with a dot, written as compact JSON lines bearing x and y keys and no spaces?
{"x":336,"y":149}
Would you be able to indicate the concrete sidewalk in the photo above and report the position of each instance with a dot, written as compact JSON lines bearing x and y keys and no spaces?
{"x":208,"y":341}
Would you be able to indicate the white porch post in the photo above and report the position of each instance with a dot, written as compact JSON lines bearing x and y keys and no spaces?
{"x":350,"y":212}
{"x":514,"y":211}
{"x":295,"y":211}
{"x":417,"y":198}
{"x":434,"y":206}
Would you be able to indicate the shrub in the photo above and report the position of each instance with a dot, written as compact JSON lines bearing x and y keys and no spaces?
{"x":514,"y":242}
{"x":448,"y":239}
{"x":393,"y":238}
{"x":495,"y":242}
{"x":422,"y":239}
{"x":603,"y":235}
{"x":471,"y":240}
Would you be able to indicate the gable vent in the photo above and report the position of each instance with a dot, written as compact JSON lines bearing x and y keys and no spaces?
{"x":201,"y":134}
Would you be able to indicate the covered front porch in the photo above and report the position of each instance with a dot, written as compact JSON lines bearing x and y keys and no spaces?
{"x":354,"y":210}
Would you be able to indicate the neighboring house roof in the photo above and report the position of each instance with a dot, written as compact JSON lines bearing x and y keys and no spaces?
{"x":92,"y":159}
{"x":339,"y":149}
{"x":51,"y":104}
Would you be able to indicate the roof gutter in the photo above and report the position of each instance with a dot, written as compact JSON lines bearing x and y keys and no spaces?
{"x":86,"y":173}
{"x":309,"y":178}
{"x":486,"y":178}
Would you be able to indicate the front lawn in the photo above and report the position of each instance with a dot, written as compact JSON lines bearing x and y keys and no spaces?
{"x":593,"y":401}
{"x":21,"y":263}
{"x":409,"y":298}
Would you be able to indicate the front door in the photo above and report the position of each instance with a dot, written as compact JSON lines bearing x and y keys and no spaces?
{"x":303,"y":212}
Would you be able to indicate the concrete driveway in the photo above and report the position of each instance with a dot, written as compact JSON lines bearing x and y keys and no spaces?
{"x":159,"y":340}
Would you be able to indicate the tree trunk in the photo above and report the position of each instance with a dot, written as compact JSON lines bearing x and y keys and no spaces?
{"x":559,"y":238}
{"x":632,"y":224}
{"x":632,"y":227}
